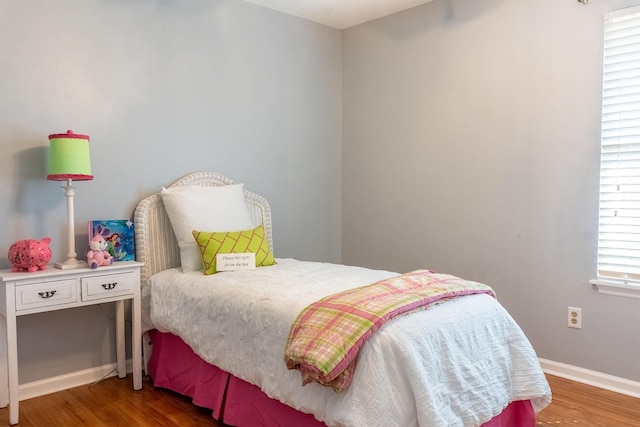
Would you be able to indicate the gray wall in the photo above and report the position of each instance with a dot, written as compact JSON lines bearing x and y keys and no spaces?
{"x":163,"y":88}
{"x":471,"y":146}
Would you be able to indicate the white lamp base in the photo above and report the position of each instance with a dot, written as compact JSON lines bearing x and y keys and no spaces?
{"x":71,"y":263}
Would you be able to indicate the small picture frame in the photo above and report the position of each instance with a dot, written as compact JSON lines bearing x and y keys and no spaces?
{"x":119,"y":236}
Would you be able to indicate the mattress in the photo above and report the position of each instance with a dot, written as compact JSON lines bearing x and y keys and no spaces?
{"x":458,"y":363}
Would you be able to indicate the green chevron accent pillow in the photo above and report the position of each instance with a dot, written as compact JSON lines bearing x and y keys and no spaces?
{"x":233,"y":242}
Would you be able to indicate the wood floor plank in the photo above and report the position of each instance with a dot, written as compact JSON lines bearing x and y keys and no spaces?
{"x":113,"y":402}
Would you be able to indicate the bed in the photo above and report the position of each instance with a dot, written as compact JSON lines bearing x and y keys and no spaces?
{"x":219,"y":338}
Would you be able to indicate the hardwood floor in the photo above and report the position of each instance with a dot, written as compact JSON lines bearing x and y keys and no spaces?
{"x":113,"y":402}
{"x":576,"y":404}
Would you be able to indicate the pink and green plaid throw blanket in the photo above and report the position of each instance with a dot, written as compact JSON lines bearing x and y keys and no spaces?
{"x":326,"y":336}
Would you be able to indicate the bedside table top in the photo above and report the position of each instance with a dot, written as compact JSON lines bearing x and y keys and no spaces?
{"x":51,"y":271}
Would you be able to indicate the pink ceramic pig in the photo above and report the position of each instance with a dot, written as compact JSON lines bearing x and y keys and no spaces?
{"x":30,"y":255}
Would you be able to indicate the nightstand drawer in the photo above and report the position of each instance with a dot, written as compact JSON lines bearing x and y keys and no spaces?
{"x":46,"y":294}
{"x":107,"y":285}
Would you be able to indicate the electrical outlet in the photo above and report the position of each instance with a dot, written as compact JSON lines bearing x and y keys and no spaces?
{"x":574,"y":317}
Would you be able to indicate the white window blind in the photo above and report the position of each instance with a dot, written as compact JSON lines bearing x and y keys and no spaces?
{"x":619,"y":214}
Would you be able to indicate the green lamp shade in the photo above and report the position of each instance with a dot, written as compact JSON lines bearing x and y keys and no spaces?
{"x":69,"y":157}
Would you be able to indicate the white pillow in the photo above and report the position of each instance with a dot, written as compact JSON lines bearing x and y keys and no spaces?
{"x":195,"y":207}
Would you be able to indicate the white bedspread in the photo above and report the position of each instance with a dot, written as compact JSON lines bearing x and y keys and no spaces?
{"x":455,"y":364}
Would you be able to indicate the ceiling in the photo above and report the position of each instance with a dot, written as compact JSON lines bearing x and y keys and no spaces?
{"x":339,"y":14}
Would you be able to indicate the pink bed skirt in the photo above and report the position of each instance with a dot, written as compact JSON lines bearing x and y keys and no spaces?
{"x":173,"y":365}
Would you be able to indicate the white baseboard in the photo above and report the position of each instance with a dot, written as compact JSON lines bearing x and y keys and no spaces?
{"x":596,"y":379}
{"x":67,"y":381}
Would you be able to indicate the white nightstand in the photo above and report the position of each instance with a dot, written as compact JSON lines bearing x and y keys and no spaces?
{"x":53,"y":289}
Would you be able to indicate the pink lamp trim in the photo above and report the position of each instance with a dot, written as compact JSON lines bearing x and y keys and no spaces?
{"x":69,"y":134}
{"x":73,"y":177}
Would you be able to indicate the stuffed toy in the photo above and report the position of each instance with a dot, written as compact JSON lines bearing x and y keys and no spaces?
{"x":98,"y":254}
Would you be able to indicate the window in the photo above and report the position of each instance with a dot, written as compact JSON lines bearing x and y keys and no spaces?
{"x":619,"y":213}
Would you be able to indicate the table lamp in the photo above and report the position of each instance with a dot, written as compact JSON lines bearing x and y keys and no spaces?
{"x":69,"y":161}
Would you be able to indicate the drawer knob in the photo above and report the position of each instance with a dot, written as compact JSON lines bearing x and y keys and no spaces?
{"x":109,"y":286}
{"x":47,"y":294}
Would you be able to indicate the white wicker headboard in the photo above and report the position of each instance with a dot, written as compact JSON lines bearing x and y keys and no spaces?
{"x":156,"y":245}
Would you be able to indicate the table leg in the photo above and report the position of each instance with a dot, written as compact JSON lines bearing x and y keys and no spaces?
{"x":4,"y":378}
{"x":121,"y":356}
{"x":136,"y":342}
{"x":12,"y":367}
